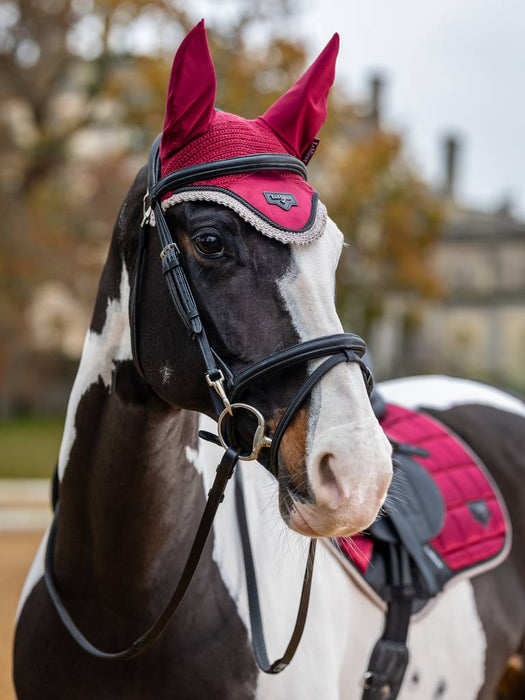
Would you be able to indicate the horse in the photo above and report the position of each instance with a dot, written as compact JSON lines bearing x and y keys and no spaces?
{"x":133,"y":475}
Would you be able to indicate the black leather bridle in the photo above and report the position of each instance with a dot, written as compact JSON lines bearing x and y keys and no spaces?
{"x":226,"y":391}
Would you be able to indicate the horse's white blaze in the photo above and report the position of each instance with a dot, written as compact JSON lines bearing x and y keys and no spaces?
{"x":99,"y":354}
{"x":348,"y":456}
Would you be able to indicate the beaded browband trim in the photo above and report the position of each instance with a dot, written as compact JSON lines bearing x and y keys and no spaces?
{"x":300,"y":237}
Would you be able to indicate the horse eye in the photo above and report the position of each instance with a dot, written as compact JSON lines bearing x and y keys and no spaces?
{"x":208,"y":244}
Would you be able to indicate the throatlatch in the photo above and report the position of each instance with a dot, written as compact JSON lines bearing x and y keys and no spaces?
{"x":226,"y":392}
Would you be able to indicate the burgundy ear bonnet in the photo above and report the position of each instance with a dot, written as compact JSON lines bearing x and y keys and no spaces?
{"x":278,"y":204}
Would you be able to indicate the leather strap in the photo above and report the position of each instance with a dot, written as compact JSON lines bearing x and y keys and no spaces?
{"x":389,"y":658}
{"x":177,"y":281}
{"x":259,"y":644}
{"x":229,"y":166}
{"x":139,"y":646}
{"x":301,"y":353}
{"x":295,"y":404}
{"x":343,"y":347}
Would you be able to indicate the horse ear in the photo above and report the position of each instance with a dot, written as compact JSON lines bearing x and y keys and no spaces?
{"x":298,"y":115}
{"x":190,"y":105}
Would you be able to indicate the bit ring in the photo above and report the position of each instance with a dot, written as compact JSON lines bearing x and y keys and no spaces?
{"x":259,"y":440}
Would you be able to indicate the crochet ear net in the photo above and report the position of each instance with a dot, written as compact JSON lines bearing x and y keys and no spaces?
{"x":190,"y":105}
{"x":295,"y":118}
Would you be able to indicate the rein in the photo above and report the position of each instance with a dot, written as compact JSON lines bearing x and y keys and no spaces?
{"x":226,"y":391}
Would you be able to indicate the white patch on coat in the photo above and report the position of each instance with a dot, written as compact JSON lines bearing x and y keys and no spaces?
{"x":441,"y":392}
{"x":99,"y":355}
{"x":343,"y":624}
{"x":280,"y":557}
{"x":166,"y":373}
{"x":447,"y":645}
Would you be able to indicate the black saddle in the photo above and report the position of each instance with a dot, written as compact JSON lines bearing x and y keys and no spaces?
{"x":413,"y":514}
{"x":405,"y":572}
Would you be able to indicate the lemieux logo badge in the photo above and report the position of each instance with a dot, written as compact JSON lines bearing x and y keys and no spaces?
{"x":285,"y":200}
{"x":480,"y":511}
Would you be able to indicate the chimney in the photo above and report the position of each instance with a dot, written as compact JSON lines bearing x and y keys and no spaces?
{"x":376,"y":96}
{"x":505,"y":208}
{"x":450,"y":152}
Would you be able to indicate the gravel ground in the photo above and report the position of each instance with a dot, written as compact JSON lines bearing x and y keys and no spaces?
{"x":17,"y":550}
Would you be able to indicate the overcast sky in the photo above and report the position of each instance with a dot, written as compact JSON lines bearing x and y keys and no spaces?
{"x":451,"y":65}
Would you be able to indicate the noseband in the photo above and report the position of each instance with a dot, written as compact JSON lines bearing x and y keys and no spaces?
{"x":227,"y":391}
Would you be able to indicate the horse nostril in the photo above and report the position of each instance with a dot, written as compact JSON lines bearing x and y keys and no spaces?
{"x":326,"y":475}
{"x":329,"y":489}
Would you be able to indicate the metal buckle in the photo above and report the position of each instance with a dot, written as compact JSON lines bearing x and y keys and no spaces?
{"x":367,"y":683}
{"x":218,"y":385}
{"x":386,"y":669}
{"x":259,"y":441}
{"x":166,"y":250}
{"x":366,"y":680}
{"x":146,"y":209}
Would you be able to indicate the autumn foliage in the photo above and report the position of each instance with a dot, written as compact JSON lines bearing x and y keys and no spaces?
{"x":82,"y":99}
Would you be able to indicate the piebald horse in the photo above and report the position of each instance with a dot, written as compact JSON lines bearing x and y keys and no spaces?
{"x":133,"y":474}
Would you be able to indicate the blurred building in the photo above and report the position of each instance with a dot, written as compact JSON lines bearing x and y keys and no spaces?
{"x":477,"y":328}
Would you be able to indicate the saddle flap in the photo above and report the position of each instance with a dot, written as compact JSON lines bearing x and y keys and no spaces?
{"x":414,"y":498}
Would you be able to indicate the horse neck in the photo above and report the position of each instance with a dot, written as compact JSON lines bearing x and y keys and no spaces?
{"x":128,"y":495}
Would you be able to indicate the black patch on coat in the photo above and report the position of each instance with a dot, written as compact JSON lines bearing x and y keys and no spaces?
{"x":441,"y":689}
{"x":121,"y":251}
{"x":498,"y":438}
{"x":240,"y":303}
{"x":125,"y":528}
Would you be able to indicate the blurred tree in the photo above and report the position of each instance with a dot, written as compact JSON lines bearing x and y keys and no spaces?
{"x":83,"y":84}
{"x":391,"y":221}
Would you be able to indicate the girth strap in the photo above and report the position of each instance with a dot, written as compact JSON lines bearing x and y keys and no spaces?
{"x":389,"y":658}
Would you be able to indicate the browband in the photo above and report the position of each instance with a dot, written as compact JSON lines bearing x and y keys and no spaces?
{"x":229,"y":166}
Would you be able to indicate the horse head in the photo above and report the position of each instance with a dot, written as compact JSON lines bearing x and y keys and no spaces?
{"x":260,"y":255}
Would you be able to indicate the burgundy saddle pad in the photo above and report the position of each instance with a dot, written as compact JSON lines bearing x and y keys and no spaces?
{"x":475,"y":535}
